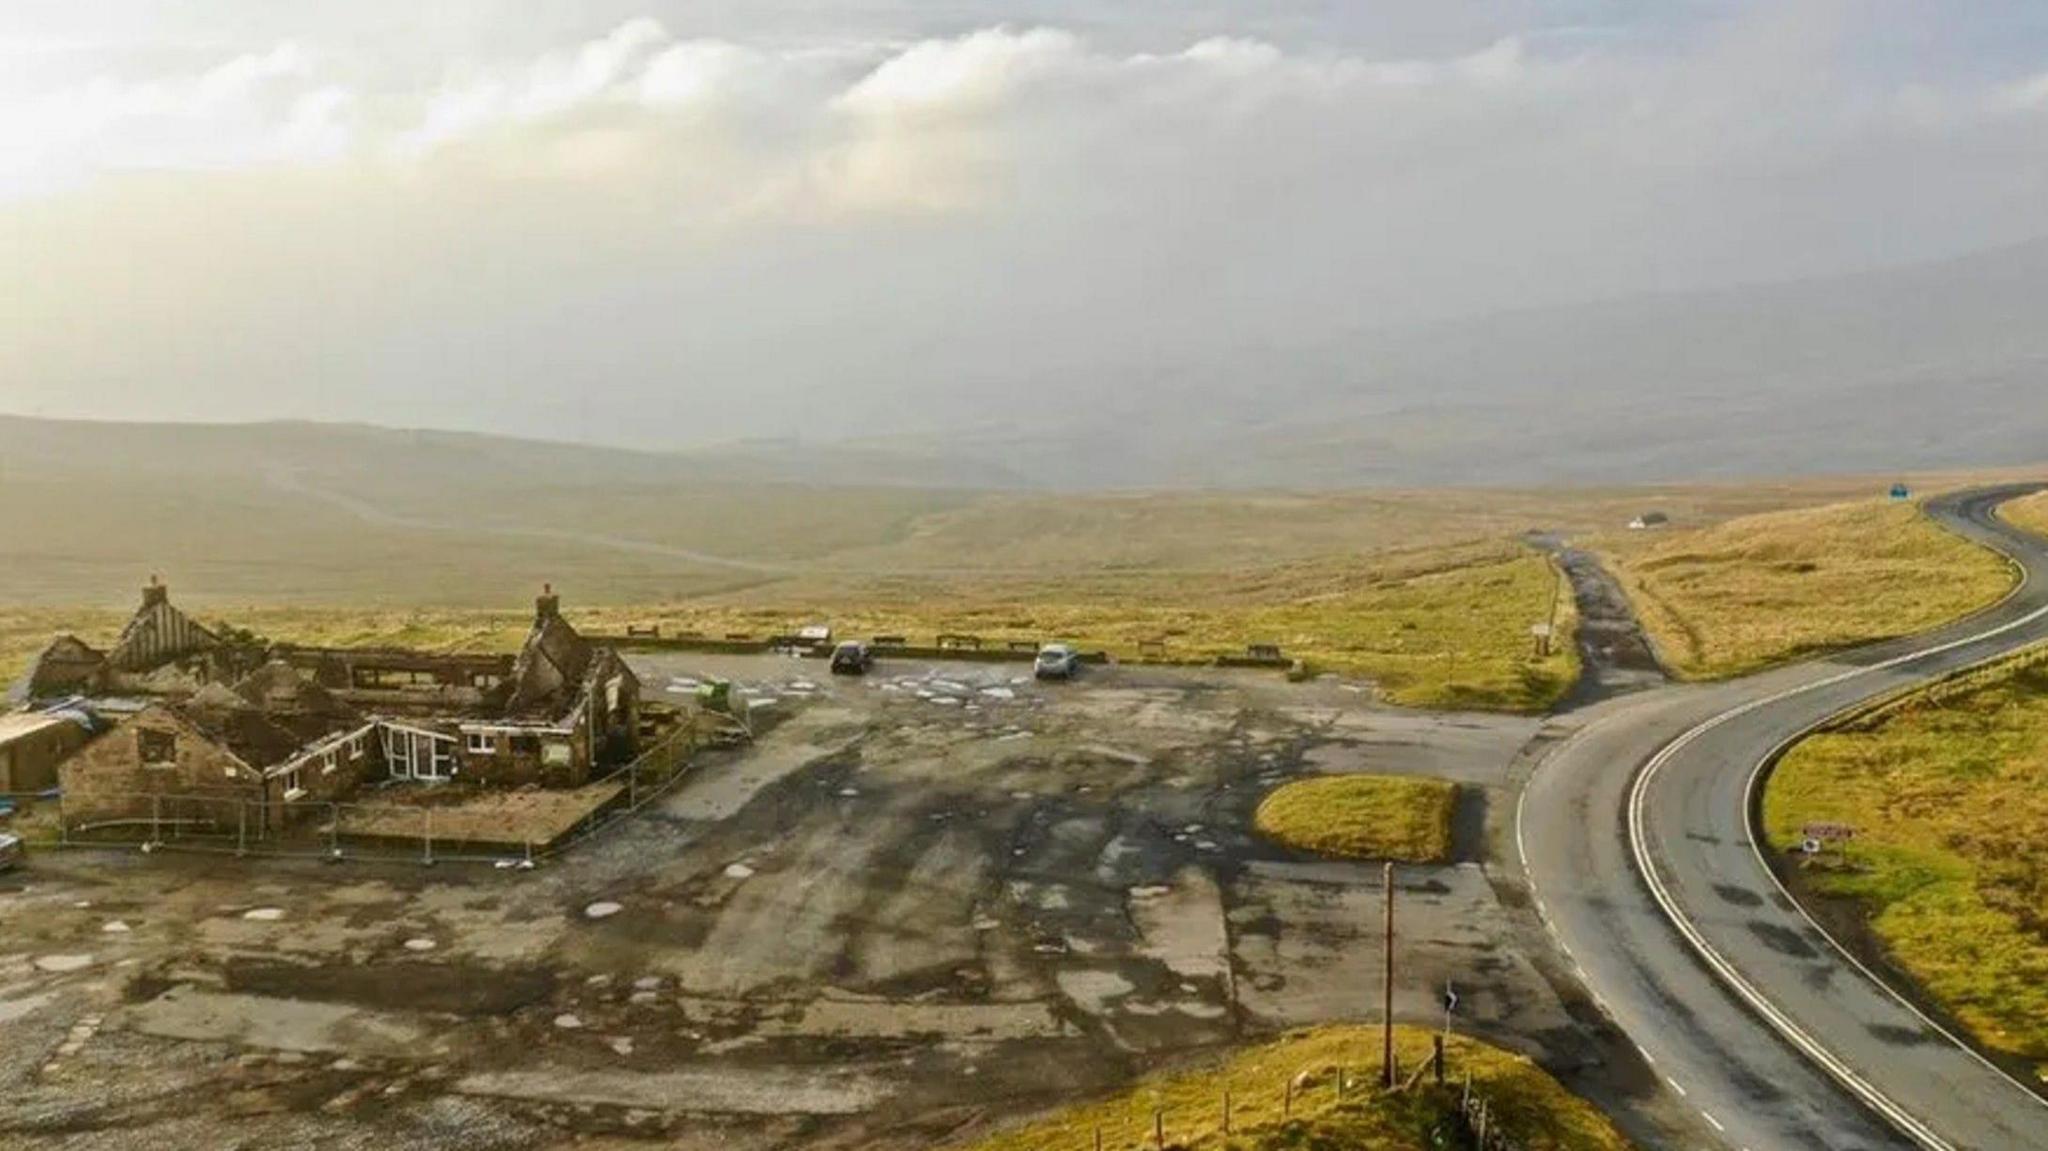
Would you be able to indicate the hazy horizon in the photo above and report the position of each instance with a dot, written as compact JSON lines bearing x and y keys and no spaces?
{"x":670,"y":226}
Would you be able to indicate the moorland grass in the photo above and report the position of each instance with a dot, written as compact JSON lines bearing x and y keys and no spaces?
{"x":1362,"y":817}
{"x":1761,"y":590}
{"x":1947,"y":791}
{"x":1434,"y":627}
{"x":2028,"y":512}
{"x":1525,"y":1104}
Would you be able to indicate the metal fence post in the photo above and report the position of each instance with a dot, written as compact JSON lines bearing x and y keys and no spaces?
{"x":427,"y":838}
{"x":334,"y":831}
{"x":156,"y":819}
{"x":241,"y":827}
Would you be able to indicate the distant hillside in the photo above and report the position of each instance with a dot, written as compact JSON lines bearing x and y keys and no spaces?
{"x":309,"y":513}
{"x":1936,"y":365}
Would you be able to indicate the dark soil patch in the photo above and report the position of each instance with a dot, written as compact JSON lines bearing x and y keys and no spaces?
{"x":458,"y":989}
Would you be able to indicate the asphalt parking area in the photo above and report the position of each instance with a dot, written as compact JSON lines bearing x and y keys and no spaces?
{"x":924,"y":899}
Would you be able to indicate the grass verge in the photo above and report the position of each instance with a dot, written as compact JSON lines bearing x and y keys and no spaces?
{"x":1362,"y":817}
{"x":1947,"y":790}
{"x":1761,"y":590}
{"x":2028,"y":512}
{"x":1525,"y":1104}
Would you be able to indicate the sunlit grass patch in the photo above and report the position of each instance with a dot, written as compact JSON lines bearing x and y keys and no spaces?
{"x":1729,"y":599}
{"x":2029,"y":512}
{"x":1362,"y":816}
{"x":1948,"y":794}
{"x":1525,"y":1104}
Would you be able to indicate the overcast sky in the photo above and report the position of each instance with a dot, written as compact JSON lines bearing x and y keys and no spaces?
{"x":668,"y":223}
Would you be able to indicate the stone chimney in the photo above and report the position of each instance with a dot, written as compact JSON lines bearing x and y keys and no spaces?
{"x":547,"y":605}
{"x":155,"y":593}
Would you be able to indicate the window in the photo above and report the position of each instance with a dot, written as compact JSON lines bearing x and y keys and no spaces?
{"x":444,"y":757}
{"x":355,"y":748}
{"x":395,"y":679}
{"x":156,"y":748}
{"x":398,"y":754}
{"x":482,"y":743}
{"x":294,"y":785}
{"x":327,"y":763}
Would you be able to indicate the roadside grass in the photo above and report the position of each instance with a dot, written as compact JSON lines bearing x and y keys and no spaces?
{"x":1362,"y":817}
{"x":1734,"y":597}
{"x":1947,"y":791}
{"x":1433,"y":627}
{"x":1525,"y":1104}
{"x":2029,"y":512}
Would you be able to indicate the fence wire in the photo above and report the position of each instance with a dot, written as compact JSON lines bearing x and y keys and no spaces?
{"x":226,"y":823}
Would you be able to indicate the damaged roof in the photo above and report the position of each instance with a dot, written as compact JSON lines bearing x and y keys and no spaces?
{"x":158,"y":633}
{"x":267,"y":718}
{"x":550,"y":666}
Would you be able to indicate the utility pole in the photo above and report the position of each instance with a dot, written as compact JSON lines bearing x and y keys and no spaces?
{"x":1387,"y":998}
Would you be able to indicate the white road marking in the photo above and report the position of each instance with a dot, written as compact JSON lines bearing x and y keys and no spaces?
{"x":1711,"y":1121}
{"x":1676,"y":1086}
{"x":1778,"y":1020}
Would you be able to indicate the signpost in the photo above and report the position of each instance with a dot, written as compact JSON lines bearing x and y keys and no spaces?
{"x":1816,"y":836}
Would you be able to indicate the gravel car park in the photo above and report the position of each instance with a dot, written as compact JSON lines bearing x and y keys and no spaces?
{"x":918,"y":902}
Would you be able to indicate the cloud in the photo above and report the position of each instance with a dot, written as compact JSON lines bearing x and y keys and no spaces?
{"x":746,"y":234}
{"x":251,"y":109}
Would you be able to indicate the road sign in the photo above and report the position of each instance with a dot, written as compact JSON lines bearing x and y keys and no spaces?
{"x":1450,"y":998}
{"x":1828,"y":832}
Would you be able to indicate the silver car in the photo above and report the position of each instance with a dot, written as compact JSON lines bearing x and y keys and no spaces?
{"x":11,"y":853}
{"x":1056,"y":661}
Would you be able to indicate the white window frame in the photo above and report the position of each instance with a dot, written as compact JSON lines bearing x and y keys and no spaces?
{"x":327,"y":762}
{"x":294,"y":783}
{"x":480,"y":742}
{"x":398,"y":753}
{"x":355,"y":748}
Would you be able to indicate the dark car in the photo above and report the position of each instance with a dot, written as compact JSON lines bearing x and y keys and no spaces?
{"x":1056,"y":661}
{"x":852,"y":658}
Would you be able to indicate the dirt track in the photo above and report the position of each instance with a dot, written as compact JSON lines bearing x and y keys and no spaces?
{"x":923,"y":901}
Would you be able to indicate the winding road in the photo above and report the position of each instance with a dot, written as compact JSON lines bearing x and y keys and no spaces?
{"x":1635,"y":836}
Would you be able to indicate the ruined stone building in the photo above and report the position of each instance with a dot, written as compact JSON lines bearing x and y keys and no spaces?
{"x":161,"y":651}
{"x":310,"y":725}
